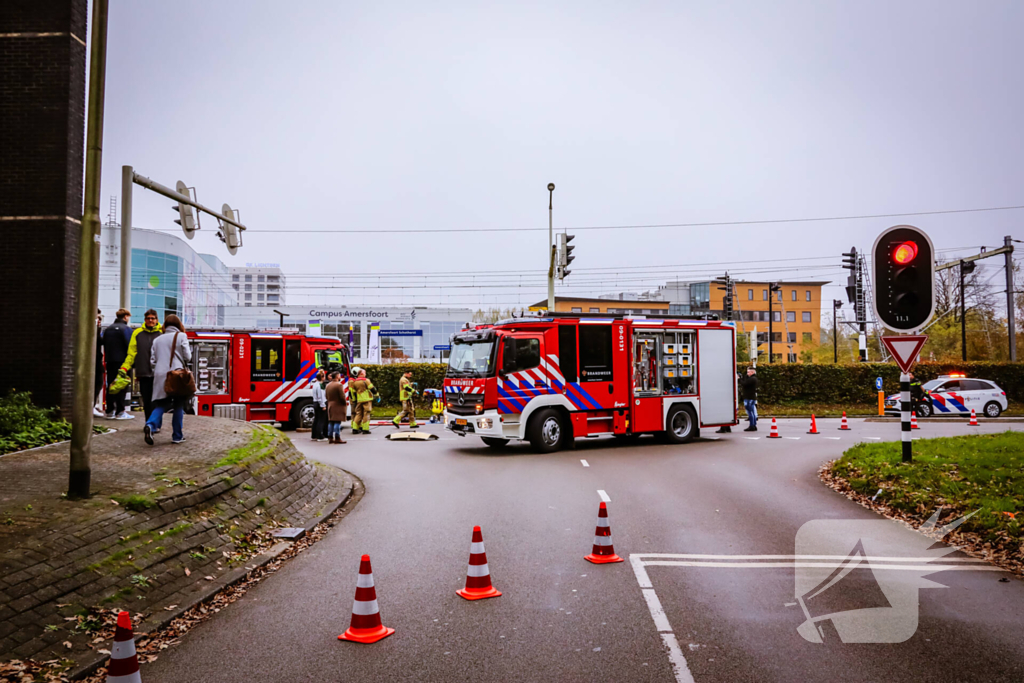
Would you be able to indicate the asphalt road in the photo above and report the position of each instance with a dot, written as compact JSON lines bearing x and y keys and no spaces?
{"x":562,"y":618}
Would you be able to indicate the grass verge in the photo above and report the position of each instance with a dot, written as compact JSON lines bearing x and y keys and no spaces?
{"x":961,"y":475}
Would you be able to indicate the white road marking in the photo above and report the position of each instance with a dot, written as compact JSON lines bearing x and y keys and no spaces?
{"x":752,"y":438}
{"x":604,"y":496}
{"x":870,"y":558}
{"x":676,"y":658}
{"x":712,"y":438}
{"x":657,"y":611}
{"x":930,"y":567}
{"x":874,"y":438}
{"x":793,"y":438}
{"x":585,"y":463}
{"x":833,"y":438}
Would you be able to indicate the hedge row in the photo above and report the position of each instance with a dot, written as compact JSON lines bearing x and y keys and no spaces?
{"x":777,"y":383}
{"x":855,"y":383}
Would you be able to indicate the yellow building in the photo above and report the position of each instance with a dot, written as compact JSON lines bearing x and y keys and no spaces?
{"x":572,"y":304}
{"x":796,"y":311}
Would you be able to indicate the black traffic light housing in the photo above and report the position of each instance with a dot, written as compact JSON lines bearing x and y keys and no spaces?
{"x":850,"y":263}
{"x":904,"y":266}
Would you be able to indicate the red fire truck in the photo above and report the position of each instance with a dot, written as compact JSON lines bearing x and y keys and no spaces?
{"x":261,"y":376}
{"x":550,"y":380}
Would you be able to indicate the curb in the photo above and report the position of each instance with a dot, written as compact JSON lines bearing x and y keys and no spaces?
{"x":157,"y":622}
{"x":926,"y":420}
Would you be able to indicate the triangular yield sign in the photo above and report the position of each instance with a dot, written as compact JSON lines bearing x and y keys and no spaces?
{"x":905,"y":349}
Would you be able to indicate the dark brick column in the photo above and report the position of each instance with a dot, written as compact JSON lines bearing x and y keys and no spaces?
{"x":42,"y":131}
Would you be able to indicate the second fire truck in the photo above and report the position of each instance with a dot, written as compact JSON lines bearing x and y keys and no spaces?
{"x":550,"y":380}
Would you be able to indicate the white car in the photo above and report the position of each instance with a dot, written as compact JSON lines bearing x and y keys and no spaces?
{"x":956,"y":395}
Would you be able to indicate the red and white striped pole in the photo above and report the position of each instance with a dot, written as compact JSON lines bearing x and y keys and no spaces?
{"x":603,"y":551}
{"x":124,"y":663}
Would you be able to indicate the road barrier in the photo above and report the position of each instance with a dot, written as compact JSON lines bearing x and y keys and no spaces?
{"x":124,"y":663}
{"x":478,"y":574}
{"x":366,"y":626}
{"x":603,"y":551}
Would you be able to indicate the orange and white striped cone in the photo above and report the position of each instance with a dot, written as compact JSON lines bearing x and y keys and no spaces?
{"x":603,"y":551}
{"x":974,"y":419}
{"x":843,"y":425}
{"x":124,"y":663}
{"x":814,"y":426}
{"x":366,"y":626}
{"x":478,"y":574}
{"x":913,"y":420}
{"x":774,"y":433}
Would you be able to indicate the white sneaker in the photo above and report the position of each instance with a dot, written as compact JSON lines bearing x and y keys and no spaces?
{"x":96,"y":412}
{"x":125,"y":416}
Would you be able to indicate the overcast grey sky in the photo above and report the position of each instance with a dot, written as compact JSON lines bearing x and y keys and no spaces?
{"x":396,"y":115}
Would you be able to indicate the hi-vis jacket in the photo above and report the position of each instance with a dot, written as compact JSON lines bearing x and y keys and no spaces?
{"x":405,"y":389}
{"x":361,"y":390}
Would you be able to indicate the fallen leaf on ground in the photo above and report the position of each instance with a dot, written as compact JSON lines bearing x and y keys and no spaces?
{"x":188,"y":572}
{"x":208,"y":578}
{"x":67,"y":644}
{"x":170,"y":607}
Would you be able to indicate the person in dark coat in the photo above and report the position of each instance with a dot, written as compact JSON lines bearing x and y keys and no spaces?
{"x":115,"y":349}
{"x":100,"y":382}
{"x":335,"y":408}
{"x":748,"y":387}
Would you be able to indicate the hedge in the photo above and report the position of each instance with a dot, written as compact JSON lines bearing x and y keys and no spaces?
{"x":777,"y":383}
{"x":855,"y":383}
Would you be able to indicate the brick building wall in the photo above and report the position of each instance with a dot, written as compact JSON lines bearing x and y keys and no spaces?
{"x":42,"y":135}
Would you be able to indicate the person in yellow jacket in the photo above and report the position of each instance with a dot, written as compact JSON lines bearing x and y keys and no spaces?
{"x":139,"y":347}
{"x":361,"y":394}
{"x":406,"y":391}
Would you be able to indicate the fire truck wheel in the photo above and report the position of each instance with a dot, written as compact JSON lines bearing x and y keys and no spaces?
{"x":302,"y":415}
{"x":493,"y":442}
{"x":682,"y":425}
{"x":546,"y":431}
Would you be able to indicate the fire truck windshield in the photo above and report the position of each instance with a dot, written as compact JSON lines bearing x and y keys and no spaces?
{"x":471,"y":359}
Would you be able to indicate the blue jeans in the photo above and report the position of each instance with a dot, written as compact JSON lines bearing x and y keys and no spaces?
{"x":156,"y":418}
{"x":751,"y":408}
{"x":334,"y":430}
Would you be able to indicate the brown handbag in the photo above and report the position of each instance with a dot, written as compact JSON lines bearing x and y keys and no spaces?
{"x":179,"y":383}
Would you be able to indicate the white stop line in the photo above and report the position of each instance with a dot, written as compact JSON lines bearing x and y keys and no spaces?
{"x":668,"y":636}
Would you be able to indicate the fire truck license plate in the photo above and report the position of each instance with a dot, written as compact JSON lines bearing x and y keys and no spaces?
{"x":460,"y":423}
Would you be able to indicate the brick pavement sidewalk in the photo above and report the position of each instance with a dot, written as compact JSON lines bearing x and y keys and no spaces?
{"x":185,"y":516}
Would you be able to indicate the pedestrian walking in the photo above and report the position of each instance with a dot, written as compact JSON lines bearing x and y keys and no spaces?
{"x":115,"y":349}
{"x":336,"y":400}
{"x":406,"y":392}
{"x":748,"y":387}
{"x":101,"y":375}
{"x":361,"y":392}
{"x":170,"y":351}
{"x":319,"y":390}
{"x":139,"y":349}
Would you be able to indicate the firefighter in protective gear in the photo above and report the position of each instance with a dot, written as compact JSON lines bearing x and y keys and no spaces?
{"x":406,"y":391}
{"x":916,"y":393}
{"x":361,"y":394}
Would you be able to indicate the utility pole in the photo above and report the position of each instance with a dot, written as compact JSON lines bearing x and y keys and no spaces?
{"x":836,"y":305}
{"x":126,"y":236}
{"x":551,"y":249}
{"x":80,"y":472}
{"x":1010,"y":322}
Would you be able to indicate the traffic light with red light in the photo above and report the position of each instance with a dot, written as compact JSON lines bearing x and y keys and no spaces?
{"x":904,"y":266}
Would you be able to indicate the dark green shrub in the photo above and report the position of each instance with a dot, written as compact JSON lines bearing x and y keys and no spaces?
{"x":19,"y":414}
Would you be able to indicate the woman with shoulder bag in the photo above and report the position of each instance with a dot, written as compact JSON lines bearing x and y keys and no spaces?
{"x":173,"y":384}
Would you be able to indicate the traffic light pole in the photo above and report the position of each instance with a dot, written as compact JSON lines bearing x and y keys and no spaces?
{"x":551,"y":248}
{"x":963,"y":316}
{"x":908,"y":454}
{"x":1010,"y":303}
{"x":771,"y":320}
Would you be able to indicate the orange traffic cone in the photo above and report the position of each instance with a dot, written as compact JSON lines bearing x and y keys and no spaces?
{"x":974,"y":419}
{"x":366,"y":626}
{"x":478,"y":574}
{"x":124,"y":663}
{"x":913,"y":420}
{"x":814,"y":426}
{"x":603,"y":551}
{"x":774,"y":433}
{"x":843,"y":425}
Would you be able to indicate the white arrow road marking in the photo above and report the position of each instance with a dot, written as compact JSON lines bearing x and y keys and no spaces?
{"x":585,"y":463}
{"x":604,"y":496}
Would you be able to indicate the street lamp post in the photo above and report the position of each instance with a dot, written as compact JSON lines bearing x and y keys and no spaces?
{"x":551,"y":249}
{"x":836,"y":305}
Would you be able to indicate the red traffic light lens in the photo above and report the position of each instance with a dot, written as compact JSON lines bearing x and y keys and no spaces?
{"x":905,"y":253}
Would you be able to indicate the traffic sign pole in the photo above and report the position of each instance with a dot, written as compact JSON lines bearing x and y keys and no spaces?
{"x":908,"y":453}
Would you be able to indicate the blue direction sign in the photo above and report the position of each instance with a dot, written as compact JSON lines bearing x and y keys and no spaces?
{"x":443,"y":347}
{"x":878,"y":383}
{"x":401,"y":333}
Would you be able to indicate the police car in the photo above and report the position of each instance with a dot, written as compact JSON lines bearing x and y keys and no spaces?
{"x":956,"y":395}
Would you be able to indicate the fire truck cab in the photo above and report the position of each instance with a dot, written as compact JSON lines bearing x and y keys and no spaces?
{"x":262,"y":376}
{"x":550,"y":380}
